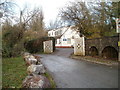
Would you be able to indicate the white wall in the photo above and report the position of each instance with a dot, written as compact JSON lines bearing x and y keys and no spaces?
{"x":68,"y":34}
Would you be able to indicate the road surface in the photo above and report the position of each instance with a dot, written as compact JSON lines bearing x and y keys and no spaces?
{"x":70,"y":73}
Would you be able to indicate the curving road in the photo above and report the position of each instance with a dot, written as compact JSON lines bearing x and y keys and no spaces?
{"x":70,"y":73}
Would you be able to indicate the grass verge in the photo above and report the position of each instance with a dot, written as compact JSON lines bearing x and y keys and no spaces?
{"x":52,"y":82}
{"x":97,"y":60}
{"x":13,"y":72}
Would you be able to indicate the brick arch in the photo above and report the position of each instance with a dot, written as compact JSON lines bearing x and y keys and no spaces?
{"x":109,"y":52}
{"x":93,"y":51}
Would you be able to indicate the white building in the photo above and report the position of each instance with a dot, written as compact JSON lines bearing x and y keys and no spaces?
{"x":64,"y":36}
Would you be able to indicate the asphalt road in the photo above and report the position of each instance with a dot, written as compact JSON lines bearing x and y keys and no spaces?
{"x":70,"y":73}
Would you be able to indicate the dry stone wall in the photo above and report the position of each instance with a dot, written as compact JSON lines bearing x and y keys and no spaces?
{"x":35,"y":70}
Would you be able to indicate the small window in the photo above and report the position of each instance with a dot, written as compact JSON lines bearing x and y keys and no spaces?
{"x":64,"y":39}
{"x":55,"y":34}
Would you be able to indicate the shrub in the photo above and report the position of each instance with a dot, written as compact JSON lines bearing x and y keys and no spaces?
{"x":17,"y":49}
{"x":36,"y":45}
{"x":11,"y":42}
{"x":6,"y":50}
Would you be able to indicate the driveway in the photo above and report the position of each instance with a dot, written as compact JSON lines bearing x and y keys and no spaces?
{"x":70,"y":73}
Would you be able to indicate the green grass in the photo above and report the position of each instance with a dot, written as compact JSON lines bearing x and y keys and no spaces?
{"x":53,"y":85}
{"x":13,"y":72}
{"x":98,"y":60}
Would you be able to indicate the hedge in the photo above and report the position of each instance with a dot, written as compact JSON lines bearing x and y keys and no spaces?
{"x":36,"y":45}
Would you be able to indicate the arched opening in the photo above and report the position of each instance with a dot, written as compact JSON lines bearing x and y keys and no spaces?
{"x":110,"y":52}
{"x":93,"y":51}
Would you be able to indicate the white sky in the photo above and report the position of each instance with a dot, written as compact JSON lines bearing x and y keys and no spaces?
{"x":49,"y":7}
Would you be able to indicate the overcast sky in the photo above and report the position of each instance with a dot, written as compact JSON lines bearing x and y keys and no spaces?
{"x":49,"y":7}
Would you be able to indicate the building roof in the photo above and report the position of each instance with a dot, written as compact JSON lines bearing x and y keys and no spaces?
{"x":73,"y":26}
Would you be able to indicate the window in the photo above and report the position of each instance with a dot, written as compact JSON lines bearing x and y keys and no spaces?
{"x":55,"y":34}
{"x":64,"y":39}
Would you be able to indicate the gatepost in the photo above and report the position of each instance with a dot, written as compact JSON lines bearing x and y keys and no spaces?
{"x":48,"y":46}
{"x":79,"y":46}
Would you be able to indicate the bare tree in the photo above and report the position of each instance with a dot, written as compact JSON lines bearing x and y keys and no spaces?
{"x":6,"y":9}
{"x":77,"y":13}
{"x":36,"y":23}
{"x":30,"y":26}
{"x":57,"y":23}
{"x":91,"y":18}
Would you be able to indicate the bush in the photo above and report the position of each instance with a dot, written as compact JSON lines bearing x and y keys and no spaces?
{"x":12,"y":42}
{"x":36,"y":45}
{"x":17,"y":49}
{"x":14,"y":51}
{"x":6,"y":50}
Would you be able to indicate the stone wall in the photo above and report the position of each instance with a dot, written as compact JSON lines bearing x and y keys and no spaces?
{"x":101,"y":43}
{"x":36,"y":71}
